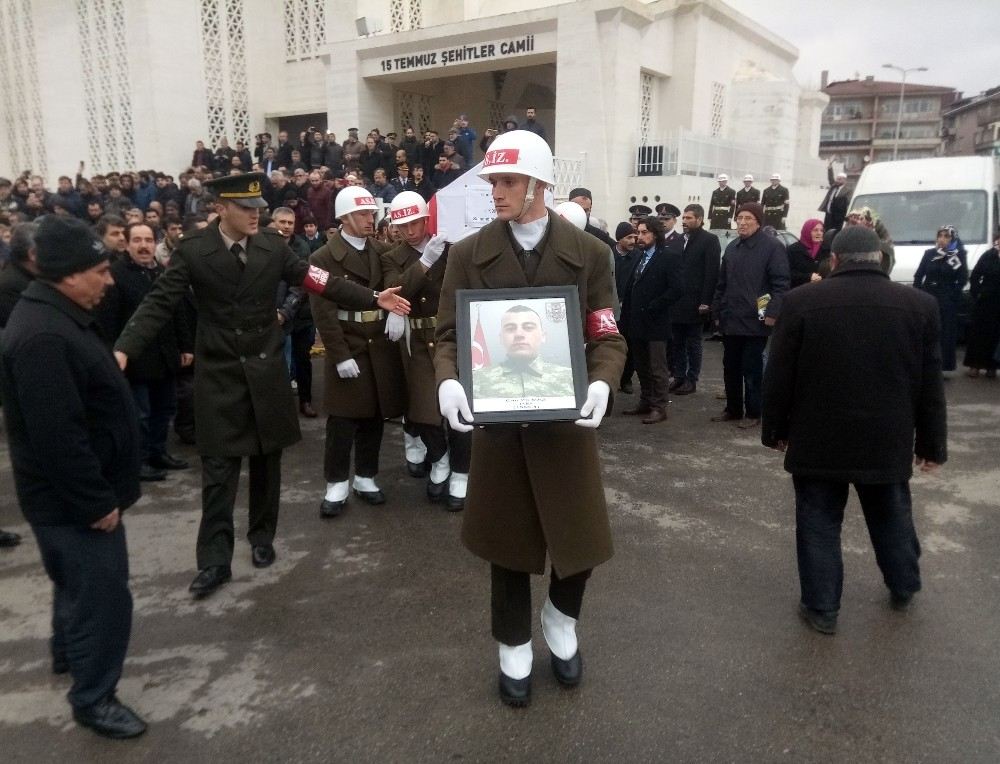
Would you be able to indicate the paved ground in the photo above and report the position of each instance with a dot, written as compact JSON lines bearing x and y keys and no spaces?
{"x":368,"y":640}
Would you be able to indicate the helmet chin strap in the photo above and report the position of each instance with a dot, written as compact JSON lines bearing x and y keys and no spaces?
{"x":529,"y":199}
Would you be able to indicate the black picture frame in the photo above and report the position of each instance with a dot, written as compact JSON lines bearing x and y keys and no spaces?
{"x":559,"y":392}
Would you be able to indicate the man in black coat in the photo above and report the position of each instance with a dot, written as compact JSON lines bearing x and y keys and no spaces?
{"x":626,"y":257}
{"x":700,"y":271}
{"x":153,"y":373}
{"x":853,"y":393}
{"x":753,"y":278}
{"x":583,"y":197}
{"x":656,"y":284}
{"x":74,"y":448}
{"x":835,"y":202}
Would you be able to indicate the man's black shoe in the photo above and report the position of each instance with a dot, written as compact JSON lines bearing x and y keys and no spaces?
{"x":210,"y":579}
{"x":568,"y":673}
{"x":331,"y":508}
{"x":151,"y":474}
{"x":673,"y":386}
{"x":417,"y":469}
{"x":685,"y":388}
{"x":725,"y":416}
{"x":8,"y":539}
{"x":824,"y":623}
{"x":437,"y":492}
{"x":900,"y":601}
{"x":167,"y":462}
{"x":262,"y":555}
{"x":110,"y":718}
{"x":455,"y":503}
{"x":515,"y":692}
{"x":370,"y":497}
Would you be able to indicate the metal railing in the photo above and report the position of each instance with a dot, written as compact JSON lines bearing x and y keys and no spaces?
{"x":683,"y":152}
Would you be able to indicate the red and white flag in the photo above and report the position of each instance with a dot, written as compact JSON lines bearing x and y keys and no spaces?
{"x":480,"y":353}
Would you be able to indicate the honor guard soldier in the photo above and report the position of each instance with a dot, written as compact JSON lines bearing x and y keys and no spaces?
{"x":417,"y":265}
{"x":243,"y":402}
{"x":668,"y":214}
{"x":636,"y":213}
{"x":519,"y":510}
{"x":775,"y":203}
{"x":364,"y":376}
{"x":748,"y":193}
{"x":722,"y":205}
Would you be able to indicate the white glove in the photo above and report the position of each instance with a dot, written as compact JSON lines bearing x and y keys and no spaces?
{"x":394,"y":326}
{"x":349,"y":369}
{"x":452,"y":401}
{"x":596,"y":404}
{"x":433,"y":250}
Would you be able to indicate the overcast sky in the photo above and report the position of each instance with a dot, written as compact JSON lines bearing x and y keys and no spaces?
{"x":958,"y":41}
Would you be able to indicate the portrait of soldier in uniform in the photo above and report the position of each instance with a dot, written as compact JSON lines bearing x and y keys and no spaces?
{"x":523,"y":372}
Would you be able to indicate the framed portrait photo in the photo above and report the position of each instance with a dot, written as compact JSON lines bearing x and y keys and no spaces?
{"x":521,"y":353}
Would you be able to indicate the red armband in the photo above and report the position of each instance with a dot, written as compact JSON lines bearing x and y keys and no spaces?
{"x":601,"y":322}
{"x":315,"y":280}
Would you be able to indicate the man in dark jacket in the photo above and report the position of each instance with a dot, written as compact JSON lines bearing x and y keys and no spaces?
{"x":656,"y":284}
{"x":242,"y":399}
{"x":625,"y":256}
{"x":835,"y":202}
{"x":74,"y":449}
{"x":753,"y":279}
{"x":152,"y":374}
{"x":700,"y":271}
{"x":582,"y":196}
{"x":853,"y":393}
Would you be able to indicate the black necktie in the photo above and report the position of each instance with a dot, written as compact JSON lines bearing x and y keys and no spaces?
{"x":241,"y":255}
{"x":529,"y":263}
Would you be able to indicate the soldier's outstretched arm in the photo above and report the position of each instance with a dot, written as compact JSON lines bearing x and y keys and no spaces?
{"x":157,"y":307}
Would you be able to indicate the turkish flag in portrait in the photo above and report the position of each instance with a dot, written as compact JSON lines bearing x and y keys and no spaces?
{"x":480,"y":353}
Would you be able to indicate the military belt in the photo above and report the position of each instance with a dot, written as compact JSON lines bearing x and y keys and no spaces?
{"x":423,"y":323}
{"x":779,"y":207}
{"x":361,"y":317}
{"x":720,"y":209}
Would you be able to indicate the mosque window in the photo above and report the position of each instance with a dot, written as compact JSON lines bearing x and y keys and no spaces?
{"x":19,"y":100}
{"x":718,"y":108}
{"x":646,"y":92}
{"x":305,"y":28}
{"x":225,"y":65}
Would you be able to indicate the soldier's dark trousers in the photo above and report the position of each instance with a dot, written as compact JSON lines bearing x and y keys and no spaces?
{"x":220,"y":477}
{"x":511,"y":601}
{"x":654,"y":376}
{"x":743,"y":364}
{"x":443,"y":438}
{"x":91,"y":605}
{"x":819,"y":514}
{"x":343,"y":434}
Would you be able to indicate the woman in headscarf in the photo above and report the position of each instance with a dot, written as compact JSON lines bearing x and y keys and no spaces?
{"x":984,"y":332}
{"x":806,"y":254}
{"x":942,"y":274}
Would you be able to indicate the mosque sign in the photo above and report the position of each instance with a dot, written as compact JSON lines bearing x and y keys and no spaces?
{"x":438,"y":58}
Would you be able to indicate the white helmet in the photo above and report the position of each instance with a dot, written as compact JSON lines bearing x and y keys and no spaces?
{"x":407,"y":206}
{"x":520,"y":152}
{"x":722,"y":177}
{"x":353,"y":199}
{"x":775,"y":176}
{"x":573,"y":213}
{"x":748,"y":178}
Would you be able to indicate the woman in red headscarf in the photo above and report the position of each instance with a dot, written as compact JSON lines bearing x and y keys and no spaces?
{"x":806,"y":255}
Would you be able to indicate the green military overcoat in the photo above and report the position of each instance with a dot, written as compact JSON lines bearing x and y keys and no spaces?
{"x":535,"y":489}
{"x":380,"y":389}
{"x":243,"y":401}
{"x":401,"y":267}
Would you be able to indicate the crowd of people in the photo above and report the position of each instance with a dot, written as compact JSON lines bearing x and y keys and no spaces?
{"x":210,"y":293}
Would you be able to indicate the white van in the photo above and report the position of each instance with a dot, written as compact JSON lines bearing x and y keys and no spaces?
{"x":915,"y":197}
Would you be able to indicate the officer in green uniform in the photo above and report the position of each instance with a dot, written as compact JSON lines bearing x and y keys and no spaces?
{"x":637,"y":212}
{"x":748,"y":194}
{"x":722,"y":206}
{"x":775,"y":202}
{"x":243,"y":402}
{"x":522,"y":374}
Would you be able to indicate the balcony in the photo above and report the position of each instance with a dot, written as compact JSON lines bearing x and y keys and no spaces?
{"x":860,"y":142}
{"x":988,"y":115}
{"x":907,"y":143}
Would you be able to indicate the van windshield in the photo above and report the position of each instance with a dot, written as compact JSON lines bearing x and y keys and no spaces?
{"x":913,"y":217}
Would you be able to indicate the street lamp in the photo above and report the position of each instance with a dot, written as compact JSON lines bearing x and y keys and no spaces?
{"x":902,"y":89}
